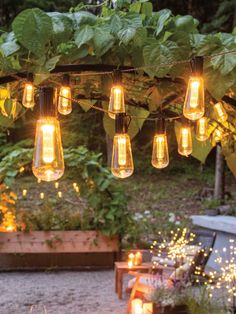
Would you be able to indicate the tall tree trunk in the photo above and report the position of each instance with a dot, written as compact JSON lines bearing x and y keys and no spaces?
{"x":219,"y":174}
{"x":109,"y":142}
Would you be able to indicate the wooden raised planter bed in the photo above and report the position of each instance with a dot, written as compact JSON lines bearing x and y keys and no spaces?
{"x":179,"y":309}
{"x":57,"y":249}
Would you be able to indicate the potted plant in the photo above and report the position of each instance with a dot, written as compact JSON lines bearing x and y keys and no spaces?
{"x":210,"y":207}
{"x":184,"y":301}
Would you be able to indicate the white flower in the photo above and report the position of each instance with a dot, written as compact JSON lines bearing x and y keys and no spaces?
{"x":171,"y":217}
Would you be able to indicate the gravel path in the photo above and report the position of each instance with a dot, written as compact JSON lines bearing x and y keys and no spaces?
{"x":60,"y":292}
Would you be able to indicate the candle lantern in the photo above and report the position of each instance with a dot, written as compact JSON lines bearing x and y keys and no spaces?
{"x":131,"y":258}
{"x":138,"y":259}
{"x":137,"y":306}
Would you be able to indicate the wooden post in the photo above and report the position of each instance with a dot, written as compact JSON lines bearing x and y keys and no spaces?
{"x":219,"y":174}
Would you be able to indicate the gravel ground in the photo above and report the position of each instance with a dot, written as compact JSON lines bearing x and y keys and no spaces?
{"x":60,"y":292}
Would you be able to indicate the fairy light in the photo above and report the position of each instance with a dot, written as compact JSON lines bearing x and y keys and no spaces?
{"x":59,"y":194}
{"x":24,"y":192}
{"x":41,"y":195}
{"x":56,"y":185}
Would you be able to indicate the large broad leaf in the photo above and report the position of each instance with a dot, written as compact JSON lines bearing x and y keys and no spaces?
{"x":154,"y":98}
{"x":201,"y":149}
{"x":217,"y":84}
{"x":102,"y":41}
{"x":186,"y":22}
{"x":231,"y":163}
{"x":82,"y":17}
{"x":125,"y":35}
{"x":33,"y":29}
{"x":147,"y":9}
{"x":163,"y":17}
{"x":62,"y":26}
{"x":205,"y":44}
{"x":116,"y":24}
{"x":51,"y":63}
{"x":224,"y":63}
{"x":86,"y":104}
{"x":9,"y":48}
{"x":83,"y":35}
{"x":160,"y":54}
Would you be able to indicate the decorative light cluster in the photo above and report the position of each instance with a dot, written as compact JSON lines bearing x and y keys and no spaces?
{"x":173,"y":249}
{"x":48,"y":161}
{"x":226,"y":279}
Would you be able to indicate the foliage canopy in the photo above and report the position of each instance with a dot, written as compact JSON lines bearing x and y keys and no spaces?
{"x":130,"y":34}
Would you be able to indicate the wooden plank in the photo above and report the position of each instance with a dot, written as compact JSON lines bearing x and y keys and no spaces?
{"x":57,"y":242}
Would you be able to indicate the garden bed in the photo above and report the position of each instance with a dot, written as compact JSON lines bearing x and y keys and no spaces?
{"x":57,"y":249}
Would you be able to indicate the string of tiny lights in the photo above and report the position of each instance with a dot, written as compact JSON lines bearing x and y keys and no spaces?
{"x":48,"y":160}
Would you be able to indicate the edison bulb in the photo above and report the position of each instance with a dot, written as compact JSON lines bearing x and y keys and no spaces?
{"x":117,"y":101}
{"x":64,"y":101}
{"x":220,"y":112}
{"x":185,"y":141}
{"x":122,"y":160}
{"x":48,"y":161}
{"x":218,"y":134}
{"x":160,"y":154}
{"x":202,"y":129}
{"x":28,"y":95}
{"x":194,"y":99}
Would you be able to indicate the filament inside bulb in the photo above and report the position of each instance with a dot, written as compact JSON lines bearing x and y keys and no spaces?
{"x":185,"y":138}
{"x":202,"y":126}
{"x":64,"y":96}
{"x":29,"y":92}
{"x":160,"y":141}
{"x":117,"y":98}
{"x":48,"y":143}
{"x":122,"y":151}
{"x":194,"y":94}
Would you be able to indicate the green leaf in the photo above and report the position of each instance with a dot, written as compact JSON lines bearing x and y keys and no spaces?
{"x":33,"y":29}
{"x":86,"y":104}
{"x":62,"y":26}
{"x":135,"y":7}
{"x":9,"y":48}
{"x":116,"y":24}
{"x":186,"y":22}
{"x":140,"y":37}
{"x":224,"y":63}
{"x":8,"y":106}
{"x":51,"y":63}
{"x":231,"y":163}
{"x":201,"y":149}
{"x":82,"y":17}
{"x":154,"y":98}
{"x":102,"y":41}
{"x":163,"y":16}
{"x":147,"y":9}
{"x":83,"y":35}
{"x":125,"y":35}
{"x":218,"y":87}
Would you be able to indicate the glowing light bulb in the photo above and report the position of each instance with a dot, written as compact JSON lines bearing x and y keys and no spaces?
{"x":218,"y":134}
{"x":185,"y":141}
{"x":59,"y":194}
{"x":122,"y":159}
{"x":41,"y":195}
{"x":220,"y":112}
{"x":24,"y":192}
{"x":64,"y":101}
{"x":202,"y":129}
{"x":28,"y":95}
{"x":56,"y":185}
{"x":117,"y":101}
{"x":194,"y":99}
{"x":160,"y":154}
{"x":48,"y":162}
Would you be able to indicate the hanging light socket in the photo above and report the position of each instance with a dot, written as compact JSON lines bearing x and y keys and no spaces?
{"x":117,"y":99}
{"x":47,"y":102}
{"x":194,"y":106}
{"x":196,"y":64}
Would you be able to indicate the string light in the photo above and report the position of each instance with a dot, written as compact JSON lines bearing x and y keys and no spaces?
{"x":64,"y":100}
{"x":56,"y":185}
{"x":194,"y":99}
{"x":202,"y":129}
{"x":28,"y":94}
{"x":59,"y":194}
{"x":117,"y":100}
{"x":160,"y":154}
{"x":185,"y":140}
{"x":41,"y":195}
{"x":24,"y":192}
{"x":220,"y":112}
{"x":48,"y":161}
{"x":122,"y":160}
